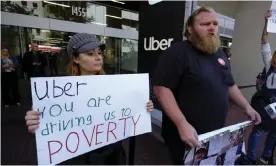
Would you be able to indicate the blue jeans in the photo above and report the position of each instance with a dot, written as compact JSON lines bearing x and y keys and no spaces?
{"x":254,"y":140}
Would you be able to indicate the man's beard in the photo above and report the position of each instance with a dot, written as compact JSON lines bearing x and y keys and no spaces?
{"x":206,"y":44}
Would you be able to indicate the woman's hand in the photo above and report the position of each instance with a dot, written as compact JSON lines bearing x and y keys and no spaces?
{"x":32,"y":120}
{"x":149,"y":106}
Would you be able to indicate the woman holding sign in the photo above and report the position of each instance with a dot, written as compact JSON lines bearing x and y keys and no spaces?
{"x":265,"y":96}
{"x":87,"y":59}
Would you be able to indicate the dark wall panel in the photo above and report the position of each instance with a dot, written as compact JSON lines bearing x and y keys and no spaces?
{"x":160,"y":26}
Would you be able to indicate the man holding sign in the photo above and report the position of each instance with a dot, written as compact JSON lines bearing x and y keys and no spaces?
{"x":193,"y":83}
{"x":64,"y":131}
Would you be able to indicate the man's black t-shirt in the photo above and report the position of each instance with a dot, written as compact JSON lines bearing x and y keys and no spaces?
{"x":199,"y":83}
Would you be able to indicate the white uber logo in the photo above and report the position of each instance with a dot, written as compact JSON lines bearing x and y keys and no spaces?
{"x":155,"y":44}
{"x":271,"y":110}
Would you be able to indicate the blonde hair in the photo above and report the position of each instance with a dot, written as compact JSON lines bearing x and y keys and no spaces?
{"x":191,"y":20}
{"x":273,"y":59}
{"x":73,"y":69}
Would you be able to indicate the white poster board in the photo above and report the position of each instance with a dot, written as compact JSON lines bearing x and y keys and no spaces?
{"x":83,"y":113}
{"x":271,"y":26}
{"x":219,"y":147}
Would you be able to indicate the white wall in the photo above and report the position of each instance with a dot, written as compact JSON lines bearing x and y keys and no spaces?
{"x":246,"y":58}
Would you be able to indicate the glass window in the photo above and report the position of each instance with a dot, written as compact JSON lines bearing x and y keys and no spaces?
{"x":120,"y":56}
{"x":10,"y":37}
{"x":38,"y":32}
{"x":129,"y":56}
{"x":20,"y":7}
{"x":111,"y":55}
{"x":24,"y":3}
{"x":96,"y":14}
{"x":66,"y":10}
{"x":76,"y":11}
{"x":35,"y":5}
{"x":14,"y":37}
{"x":225,"y":42}
{"x":130,"y":20}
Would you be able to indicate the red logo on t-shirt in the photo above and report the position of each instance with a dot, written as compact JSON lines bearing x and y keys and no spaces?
{"x":221,"y":61}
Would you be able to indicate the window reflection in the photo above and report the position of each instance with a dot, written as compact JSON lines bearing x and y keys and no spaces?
{"x":225,"y":42}
{"x":130,"y":21}
{"x":97,"y":13}
{"x":111,"y":56}
{"x":129,"y":56}
{"x":120,"y":56}
{"x":20,"y":7}
{"x":10,"y":37}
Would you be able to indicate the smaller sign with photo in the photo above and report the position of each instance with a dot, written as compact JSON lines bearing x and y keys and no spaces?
{"x":271,"y":110}
{"x":219,"y":149}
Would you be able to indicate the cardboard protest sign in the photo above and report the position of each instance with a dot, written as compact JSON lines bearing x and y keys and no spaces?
{"x":219,"y":147}
{"x":271,"y":110}
{"x":271,"y":26}
{"x":83,"y":113}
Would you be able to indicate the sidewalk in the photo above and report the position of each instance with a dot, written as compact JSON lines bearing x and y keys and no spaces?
{"x":19,"y":148}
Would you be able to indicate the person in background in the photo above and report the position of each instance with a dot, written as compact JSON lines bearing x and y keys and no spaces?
{"x":261,"y":99}
{"x":34,"y":62}
{"x":227,"y":52}
{"x":9,"y":78}
{"x":87,"y":59}
{"x":193,"y":82}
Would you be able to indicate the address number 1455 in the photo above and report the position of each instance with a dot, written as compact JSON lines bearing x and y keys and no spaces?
{"x":78,"y":11}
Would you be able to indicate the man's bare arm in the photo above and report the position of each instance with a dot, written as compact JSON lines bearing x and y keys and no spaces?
{"x":237,"y":97}
{"x":168,"y":103}
{"x":186,"y":131}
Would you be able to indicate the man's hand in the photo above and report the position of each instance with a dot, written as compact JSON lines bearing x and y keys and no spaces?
{"x":253,"y":115}
{"x":188,"y":134}
{"x":268,"y":14}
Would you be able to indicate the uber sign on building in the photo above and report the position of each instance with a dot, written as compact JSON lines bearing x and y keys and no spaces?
{"x":160,"y":26}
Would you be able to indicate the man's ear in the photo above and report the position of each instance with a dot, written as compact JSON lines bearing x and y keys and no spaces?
{"x":190,"y":30}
